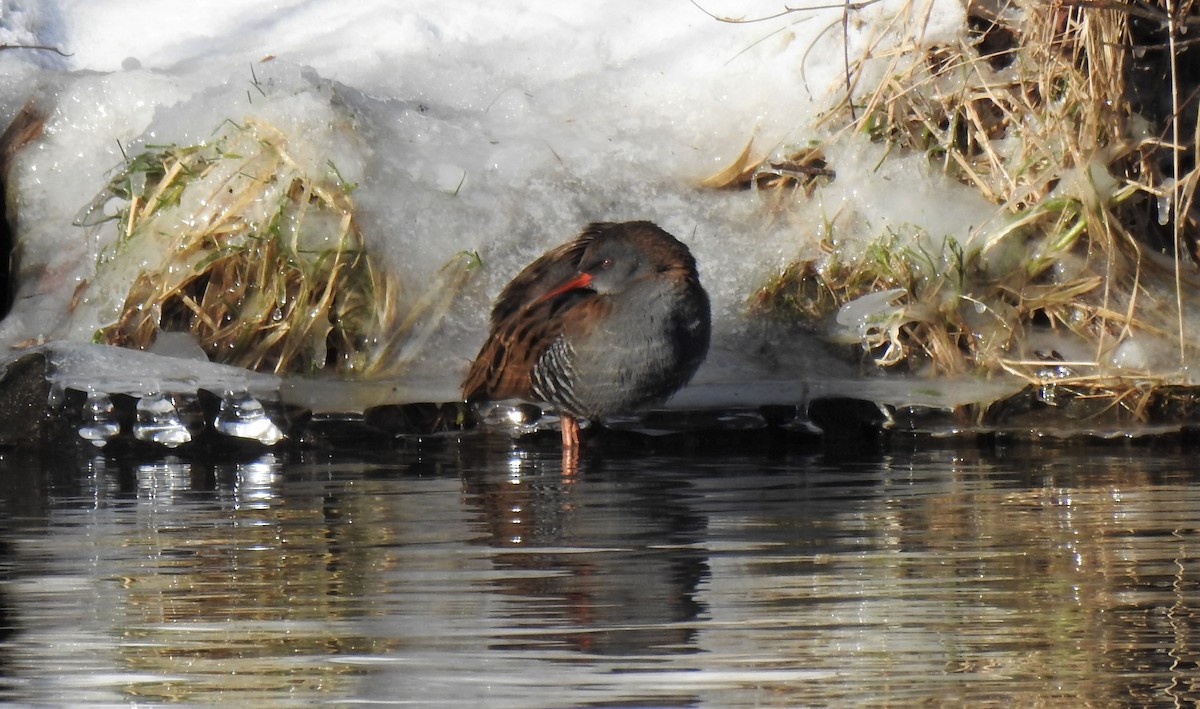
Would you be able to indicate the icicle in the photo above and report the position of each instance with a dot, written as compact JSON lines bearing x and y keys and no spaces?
{"x":159,"y":421}
{"x":1164,"y":209}
{"x":99,"y":421}
{"x":243,"y":416}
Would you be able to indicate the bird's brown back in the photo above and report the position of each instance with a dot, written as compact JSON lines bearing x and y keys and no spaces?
{"x":522,"y":325}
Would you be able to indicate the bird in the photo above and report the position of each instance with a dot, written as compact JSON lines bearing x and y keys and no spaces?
{"x":613,"y":321}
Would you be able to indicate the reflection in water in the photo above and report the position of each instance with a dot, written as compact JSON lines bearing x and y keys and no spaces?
{"x":458,"y":572}
{"x":610,"y":567}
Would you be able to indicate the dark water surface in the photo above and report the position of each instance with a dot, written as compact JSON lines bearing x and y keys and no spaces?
{"x":477,"y":574}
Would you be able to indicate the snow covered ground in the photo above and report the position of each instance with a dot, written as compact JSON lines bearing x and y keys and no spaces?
{"x":499,"y":128}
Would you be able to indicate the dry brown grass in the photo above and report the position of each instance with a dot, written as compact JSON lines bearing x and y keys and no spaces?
{"x":1048,"y":110}
{"x":264,"y":264}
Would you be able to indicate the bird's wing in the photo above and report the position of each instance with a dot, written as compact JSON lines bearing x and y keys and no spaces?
{"x":516,"y":345}
{"x":523,"y":325}
{"x":535,"y":280}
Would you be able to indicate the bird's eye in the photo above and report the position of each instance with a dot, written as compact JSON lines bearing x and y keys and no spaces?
{"x":606,"y":264}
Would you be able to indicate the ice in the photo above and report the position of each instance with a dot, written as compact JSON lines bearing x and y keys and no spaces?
{"x":900,"y":194}
{"x":139,"y":374}
{"x":516,"y":417}
{"x":243,"y":416}
{"x":1164,"y":204}
{"x":1130,"y":355}
{"x":859,"y":317}
{"x":99,"y":423}
{"x":160,"y":420}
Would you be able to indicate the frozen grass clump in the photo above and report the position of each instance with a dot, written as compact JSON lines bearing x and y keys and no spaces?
{"x":260,"y":260}
{"x":1055,"y":115}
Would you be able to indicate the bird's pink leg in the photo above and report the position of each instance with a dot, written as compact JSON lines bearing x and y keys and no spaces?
{"x":570,"y":448}
{"x":570,"y":432}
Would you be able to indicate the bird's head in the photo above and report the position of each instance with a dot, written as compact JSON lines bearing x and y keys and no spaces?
{"x":620,"y":256}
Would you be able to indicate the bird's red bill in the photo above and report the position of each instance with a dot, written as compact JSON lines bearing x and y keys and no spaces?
{"x":580,"y":281}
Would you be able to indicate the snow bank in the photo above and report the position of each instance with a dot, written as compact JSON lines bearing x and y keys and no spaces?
{"x":498,"y":129}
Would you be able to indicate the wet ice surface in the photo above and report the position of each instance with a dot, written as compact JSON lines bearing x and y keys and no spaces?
{"x":473,"y":572}
{"x":85,"y":378}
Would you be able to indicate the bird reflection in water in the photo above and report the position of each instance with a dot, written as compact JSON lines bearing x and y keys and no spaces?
{"x":598,"y":562}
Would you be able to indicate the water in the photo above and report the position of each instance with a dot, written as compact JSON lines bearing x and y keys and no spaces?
{"x":476,"y":573}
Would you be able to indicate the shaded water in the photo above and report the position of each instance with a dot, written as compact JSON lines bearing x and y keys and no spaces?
{"x":474,"y":573}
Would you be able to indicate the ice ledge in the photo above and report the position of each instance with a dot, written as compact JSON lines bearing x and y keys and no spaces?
{"x":96,"y":396}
